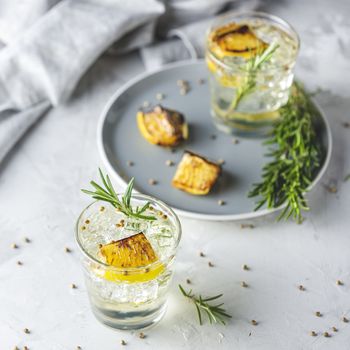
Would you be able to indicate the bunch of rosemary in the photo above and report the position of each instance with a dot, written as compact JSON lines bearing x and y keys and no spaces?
{"x":296,"y":156}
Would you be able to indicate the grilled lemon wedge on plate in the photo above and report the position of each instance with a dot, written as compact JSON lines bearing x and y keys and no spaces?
{"x":196,"y":174}
{"x":131,"y":252}
{"x":163,"y":127}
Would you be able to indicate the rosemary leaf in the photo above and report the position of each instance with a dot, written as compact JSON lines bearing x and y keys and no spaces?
{"x":215,"y":313}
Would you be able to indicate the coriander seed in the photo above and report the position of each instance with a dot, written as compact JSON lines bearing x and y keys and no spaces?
{"x":67,"y":250}
{"x":26,"y":331}
{"x":254,"y":323}
{"x":201,"y":254}
{"x":102,"y":208}
{"x":14,"y":246}
{"x":73,"y":286}
{"x":313,"y":333}
{"x":340,"y":283}
{"x":302,"y":288}
{"x":123,"y":342}
{"x":335,"y":329}
{"x":27,"y":240}
{"x":326,"y":334}
{"x":244,"y":284}
{"x":142,"y":335}
{"x":345,"y":320}
{"x":152,"y":182}
{"x":188,"y":281}
{"x":210,"y":264}
{"x":245,"y":267}
{"x":169,"y":162}
{"x":318,"y":314}
{"x":221,"y":202}
{"x":19,"y":263}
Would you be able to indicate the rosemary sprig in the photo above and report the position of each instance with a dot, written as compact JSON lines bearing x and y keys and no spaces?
{"x":251,"y":69}
{"x":215,"y":313}
{"x":108,"y":194}
{"x":296,"y":156}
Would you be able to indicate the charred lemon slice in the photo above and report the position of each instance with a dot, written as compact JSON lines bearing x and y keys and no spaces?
{"x":162,"y":126}
{"x":195,"y":174}
{"x":235,"y":40}
{"x":131,"y":252}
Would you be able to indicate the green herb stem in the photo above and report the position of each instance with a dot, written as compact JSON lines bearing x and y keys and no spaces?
{"x":215,"y":313}
{"x":108,"y":194}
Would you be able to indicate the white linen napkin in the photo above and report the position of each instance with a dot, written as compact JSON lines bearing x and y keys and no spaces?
{"x":49,"y":44}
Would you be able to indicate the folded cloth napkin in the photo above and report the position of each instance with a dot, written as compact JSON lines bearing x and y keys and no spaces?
{"x":47,"y":45}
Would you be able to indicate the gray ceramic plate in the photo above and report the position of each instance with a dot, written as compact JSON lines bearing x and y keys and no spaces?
{"x":119,"y":141}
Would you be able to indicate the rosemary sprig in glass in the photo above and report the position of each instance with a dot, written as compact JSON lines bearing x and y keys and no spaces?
{"x":296,"y":155}
{"x":108,"y":194}
{"x":215,"y":313}
{"x":250,"y":69}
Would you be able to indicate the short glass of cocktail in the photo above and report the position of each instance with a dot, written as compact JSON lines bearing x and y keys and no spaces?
{"x":250,"y":57}
{"x":128,"y":244}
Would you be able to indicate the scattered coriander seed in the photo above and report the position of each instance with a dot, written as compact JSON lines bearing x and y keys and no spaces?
{"x":188,"y":281}
{"x":129,"y":163}
{"x":183,"y":91}
{"x":25,"y":348}
{"x":318,"y":314}
{"x":83,"y":228}
{"x":100,"y":245}
{"x":123,"y":342}
{"x":26,"y":331}
{"x":150,"y":208}
{"x":19,"y":263}
{"x":152,"y":182}
{"x":247,"y":226}
{"x":331,"y":188}
{"x":73,"y":286}
{"x":122,"y":221}
{"x":345,"y":320}
{"x":159,"y":96}
{"x":313,"y":333}
{"x":340,"y":283}
{"x":78,"y":347}
{"x":245,"y":267}
{"x":346,"y":124}
{"x":14,"y":246}
{"x":213,"y":137}
{"x":235,"y":141}
{"x":210,"y":264}
{"x":181,"y":82}
{"x":145,"y":104}
{"x":142,"y":335}
{"x":335,"y":329}
{"x":326,"y":334}
{"x":201,"y":254}
{"x":16,"y":348}
{"x":169,"y":162}
{"x":102,"y":208}
{"x":67,"y":250}
{"x":254,"y":323}
{"x":302,"y":288}
{"x":27,"y":240}
{"x":244,"y":284}
{"x":87,"y":221}
{"x":201,"y":81}
{"x":221,"y":161}
{"x":164,"y":216}
{"x":221,"y":202}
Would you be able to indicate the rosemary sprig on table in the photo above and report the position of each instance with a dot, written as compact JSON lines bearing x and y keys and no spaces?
{"x":251,"y":69}
{"x":215,"y":313}
{"x":296,"y":156}
{"x":108,"y":194}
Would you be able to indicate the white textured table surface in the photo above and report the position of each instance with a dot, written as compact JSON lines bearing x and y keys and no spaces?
{"x":40,"y":199}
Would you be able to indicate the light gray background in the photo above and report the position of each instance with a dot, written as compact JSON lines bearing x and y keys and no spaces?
{"x":40,"y":198}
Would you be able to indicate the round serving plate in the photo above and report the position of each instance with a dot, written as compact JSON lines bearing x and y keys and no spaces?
{"x":120,"y":142}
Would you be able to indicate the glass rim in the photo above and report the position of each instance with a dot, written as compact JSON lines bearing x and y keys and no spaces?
{"x":252,"y":14}
{"x":157,"y":263}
